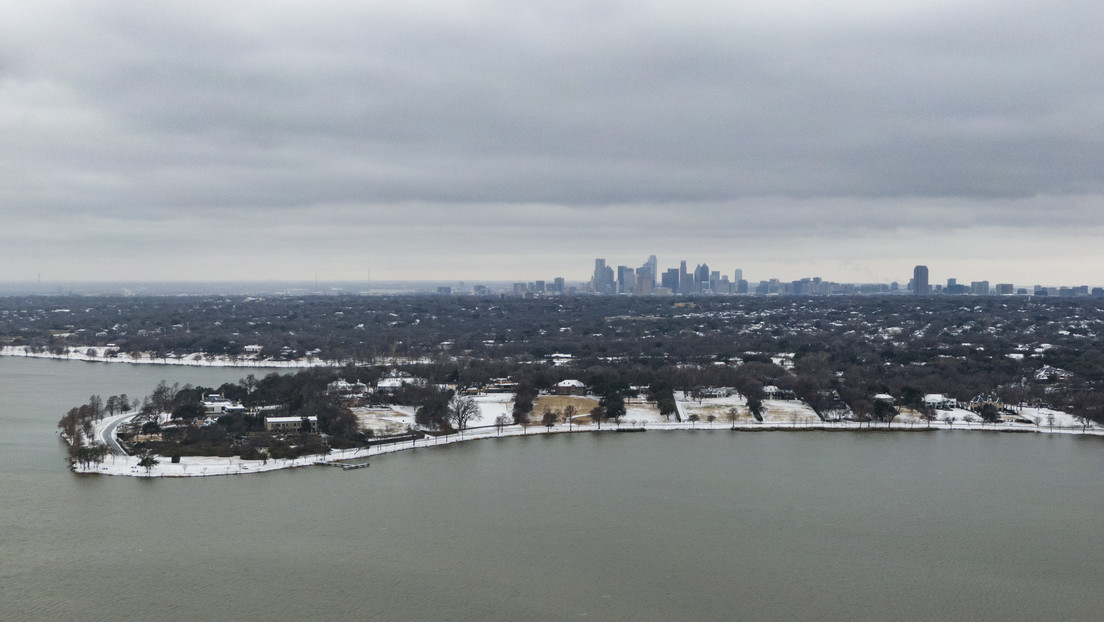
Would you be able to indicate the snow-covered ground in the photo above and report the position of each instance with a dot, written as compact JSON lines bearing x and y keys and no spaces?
{"x":205,"y":466}
{"x":147,"y":358}
{"x":491,"y":405}
{"x":388,"y":420}
{"x":777,"y":415}
{"x":720,"y":408}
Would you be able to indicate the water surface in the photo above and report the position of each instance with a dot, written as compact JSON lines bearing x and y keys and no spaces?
{"x":654,"y":526}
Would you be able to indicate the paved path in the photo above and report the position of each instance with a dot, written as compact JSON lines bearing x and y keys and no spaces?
{"x":106,"y":434}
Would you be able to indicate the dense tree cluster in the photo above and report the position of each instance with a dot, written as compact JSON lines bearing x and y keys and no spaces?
{"x":834,"y":353}
{"x":899,"y":330}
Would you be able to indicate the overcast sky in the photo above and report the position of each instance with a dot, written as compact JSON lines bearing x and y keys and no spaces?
{"x":519,"y":140}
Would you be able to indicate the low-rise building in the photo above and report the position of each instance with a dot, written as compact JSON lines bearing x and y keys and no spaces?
{"x":396,"y":379}
{"x":939,"y":401}
{"x":570,"y":387}
{"x":293,"y":425}
{"x":216,"y":404}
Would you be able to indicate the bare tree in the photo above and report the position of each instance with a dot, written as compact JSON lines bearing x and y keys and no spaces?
{"x":548,"y":418}
{"x":597,"y":414}
{"x":569,"y":414}
{"x":461,"y":410}
{"x":501,"y":421}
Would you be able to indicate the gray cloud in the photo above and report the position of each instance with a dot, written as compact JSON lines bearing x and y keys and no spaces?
{"x":609,"y":125}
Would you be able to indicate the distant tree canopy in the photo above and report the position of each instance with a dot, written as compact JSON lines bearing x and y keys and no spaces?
{"x":834,"y":353}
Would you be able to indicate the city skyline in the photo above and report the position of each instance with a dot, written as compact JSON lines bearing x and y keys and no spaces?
{"x":667,"y":281}
{"x":705,"y":280}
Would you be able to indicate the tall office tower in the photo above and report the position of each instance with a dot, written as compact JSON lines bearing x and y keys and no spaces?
{"x":599,"y":271}
{"x":701,"y":273}
{"x":738,"y":275}
{"x":603,"y":282}
{"x":559,"y":285}
{"x":626,"y":280}
{"x":670,"y":279}
{"x":686,"y":280}
{"x":642,"y":275}
{"x":920,"y":281}
{"x":653,"y":267}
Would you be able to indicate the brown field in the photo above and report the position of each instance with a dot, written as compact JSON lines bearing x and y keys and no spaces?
{"x":559,"y":402}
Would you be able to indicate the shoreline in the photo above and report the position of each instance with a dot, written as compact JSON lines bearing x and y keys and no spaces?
{"x":189,"y":360}
{"x":204,"y":466}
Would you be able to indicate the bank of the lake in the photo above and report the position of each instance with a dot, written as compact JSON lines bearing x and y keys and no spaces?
{"x":679,"y":525}
{"x":204,"y":466}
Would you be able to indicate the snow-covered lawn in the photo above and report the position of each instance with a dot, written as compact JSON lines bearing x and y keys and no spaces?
{"x":385,"y":420}
{"x":201,"y":466}
{"x":491,"y":406}
{"x":774,"y":411}
{"x":777,"y":414}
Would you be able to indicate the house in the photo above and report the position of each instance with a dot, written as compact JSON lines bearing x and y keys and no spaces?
{"x":784,"y":360}
{"x":884,"y":397}
{"x":343,"y":387}
{"x":569,"y":387}
{"x":284,"y":425}
{"x":501,"y":385}
{"x":938,"y":401}
{"x":396,"y":379}
{"x":253,"y":349}
{"x":216,"y":404}
{"x":772,"y":392}
{"x":712,"y":392}
{"x":981,"y":400}
{"x":1049,"y":373}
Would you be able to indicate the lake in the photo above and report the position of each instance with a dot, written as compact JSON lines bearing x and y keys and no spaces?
{"x":706,"y":525}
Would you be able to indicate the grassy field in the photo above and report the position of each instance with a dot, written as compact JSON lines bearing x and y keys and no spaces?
{"x":558,"y":403}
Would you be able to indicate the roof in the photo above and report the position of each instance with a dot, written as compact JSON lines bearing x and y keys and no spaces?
{"x":570,"y":383}
{"x":289,"y":419}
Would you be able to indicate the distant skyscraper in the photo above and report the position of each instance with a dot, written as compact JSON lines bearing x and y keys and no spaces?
{"x":920,"y":281}
{"x":670,"y":279}
{"x":626,"y":280}
{"x":701,"y":273}
{"x":738,"y":275}
{"x":603,"y":282}
{"x":686,"y":280}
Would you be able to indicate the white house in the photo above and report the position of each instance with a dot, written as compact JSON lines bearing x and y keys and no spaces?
{"x":939,"y":401}
{"x":396,"y":379}
{"x":216,"y":404}
{"x":344,"y":387}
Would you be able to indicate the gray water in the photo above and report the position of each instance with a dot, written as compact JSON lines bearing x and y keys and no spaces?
{"x":656,"y":526}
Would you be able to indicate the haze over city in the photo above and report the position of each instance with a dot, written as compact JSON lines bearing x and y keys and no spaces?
{"x":502,"y":141}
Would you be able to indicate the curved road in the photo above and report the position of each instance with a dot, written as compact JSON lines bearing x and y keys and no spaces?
{"x":107,"y":433}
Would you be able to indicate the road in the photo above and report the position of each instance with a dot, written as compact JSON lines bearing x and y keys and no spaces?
{"x":106,"y":434}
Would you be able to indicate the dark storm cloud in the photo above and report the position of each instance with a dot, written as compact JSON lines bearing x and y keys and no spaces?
{"x":576,"y":117}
